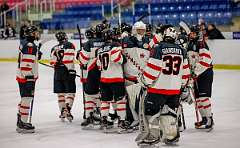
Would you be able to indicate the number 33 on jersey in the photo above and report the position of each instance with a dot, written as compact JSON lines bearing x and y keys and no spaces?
{"x":167,"y":69}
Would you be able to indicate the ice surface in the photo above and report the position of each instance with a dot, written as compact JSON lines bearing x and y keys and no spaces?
{"x":50,"y":132}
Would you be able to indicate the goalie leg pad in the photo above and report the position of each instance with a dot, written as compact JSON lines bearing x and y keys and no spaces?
{"x":168,"y":120}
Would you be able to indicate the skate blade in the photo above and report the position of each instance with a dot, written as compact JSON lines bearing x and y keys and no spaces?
{"x":88,"y":127}
{"x":24,"y":131}
{"x":146,"y":145}
{"x":205,"y":129}
{"x":141,"y":136}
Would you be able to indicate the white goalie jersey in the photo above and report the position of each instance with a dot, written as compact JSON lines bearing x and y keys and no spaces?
{"x":136,"y":62}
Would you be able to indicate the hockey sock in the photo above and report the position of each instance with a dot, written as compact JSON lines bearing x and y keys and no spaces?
{"x":105,"y":106}
{"x":70,"y":98}
{"x":204,"y":106}
{"x":121,"y":108}
{"x":61,"y":101}
{"x":24,"y":108}
{"x":89,"y":104}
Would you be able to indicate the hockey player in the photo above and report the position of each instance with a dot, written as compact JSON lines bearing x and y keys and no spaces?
{"x":200,"y":59}
{"x":112,"y":88}
{"x":166,"y":72}
{"x":137,"y":41}
{"x":62,"y":58}
{"x":27,"y":74}
{"x":88,"y":58}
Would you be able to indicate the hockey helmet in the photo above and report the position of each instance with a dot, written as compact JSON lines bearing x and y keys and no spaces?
{"x":107,"y":35}
{"x":170,"y":35}
{"x":61,"y":36}
{"x":182,"y":40}
{"x":194,"y":34}
{"x":149,"y":28}
{"x":31,"y":31}
{"x":99,"y":30}
{"x":161,"y":27}
{"x":89,"y":34}
{"x":126,"y":28}
{"x":139,"y":25}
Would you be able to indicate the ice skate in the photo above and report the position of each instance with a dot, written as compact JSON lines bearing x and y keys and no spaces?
{"x":106,"y":125}
{"x":149,"y":142}
{"x":206,"y":124}
{"x":124,"y":127}
{"x":67,"y":113}
{"x":88,"y":123}
{"x":24,"y":127}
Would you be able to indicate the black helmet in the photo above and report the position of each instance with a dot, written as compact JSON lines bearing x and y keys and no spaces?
{"x":195,"y":33}
{"x":107,"y":35}
{"x":161,"y":27}
{"x":61,"y":36}
{"x":31,"y":33}
{"x":99,"y":30}
{"x":30,"y":30}
{"x":149,"y":28}
{"x":116,"y":31}
{"x":126,"y":27}
{"x":89,"y":33}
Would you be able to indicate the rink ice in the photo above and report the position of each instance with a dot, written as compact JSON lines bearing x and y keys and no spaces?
{"x":51,"y":132}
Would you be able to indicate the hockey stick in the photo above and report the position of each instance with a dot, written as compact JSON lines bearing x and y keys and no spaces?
{"x":185,"y":27}
{"x":142,"y":17}
{"x":52,"y":67}
{"x":81,"y":68}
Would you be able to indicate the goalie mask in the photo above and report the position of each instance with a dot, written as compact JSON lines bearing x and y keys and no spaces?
{"x":61,"y":36}
{"x":170,"y":35}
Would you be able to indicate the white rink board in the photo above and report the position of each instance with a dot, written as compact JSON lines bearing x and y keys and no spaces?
{"x":223,"y":51}
{"x":50,"y":132}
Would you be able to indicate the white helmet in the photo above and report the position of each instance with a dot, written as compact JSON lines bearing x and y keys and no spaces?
{"x":170,"y":32}
{"x":139,"y":25}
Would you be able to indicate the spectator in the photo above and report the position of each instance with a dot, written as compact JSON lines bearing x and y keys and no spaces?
{"x":4,"y":8}
{"x":1,"y":33}
{"x":203,"y":28}
{"x":10,"y":32}
{"x":214,"y":33}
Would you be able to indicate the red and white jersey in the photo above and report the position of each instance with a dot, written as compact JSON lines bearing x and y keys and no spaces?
{"x":88,"y":56}
{"x":200,"y":57}
{"x":167,"y":69}
{"x":67,"y":50}
{"x":109,"y":61}
{"x":27,"y":61}
{"x":136,"y":62}
{"x":157,"y":38}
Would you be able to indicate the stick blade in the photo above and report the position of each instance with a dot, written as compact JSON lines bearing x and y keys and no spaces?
{"x":185,"y":27}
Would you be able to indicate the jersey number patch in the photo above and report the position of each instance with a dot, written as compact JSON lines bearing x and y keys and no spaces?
{"x":173,"y":64}
{"x":104,"y":59}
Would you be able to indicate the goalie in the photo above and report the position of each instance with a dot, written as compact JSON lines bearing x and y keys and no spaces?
{"x":166,"y":72}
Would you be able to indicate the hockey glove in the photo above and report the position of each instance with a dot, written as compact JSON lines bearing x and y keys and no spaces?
{"x":78,"y":54}
{"x":39,"y":55}
{"x":72,"y":75}
{"x":141,"y":81}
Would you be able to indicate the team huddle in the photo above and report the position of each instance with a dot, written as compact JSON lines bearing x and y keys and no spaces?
{"x":133,"y":79}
